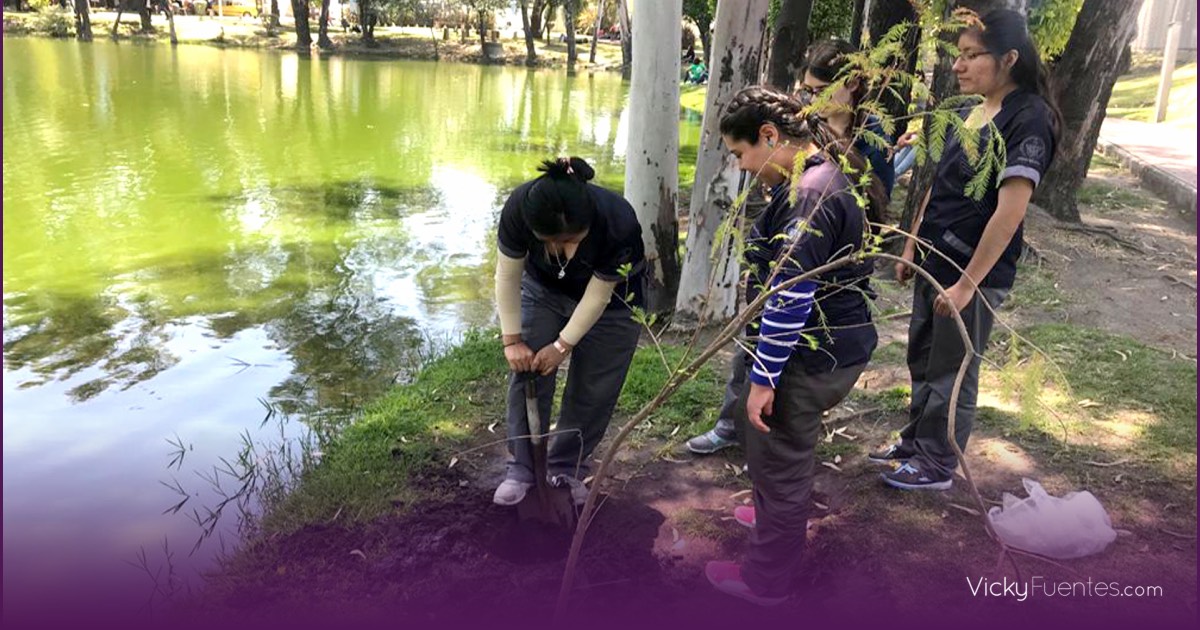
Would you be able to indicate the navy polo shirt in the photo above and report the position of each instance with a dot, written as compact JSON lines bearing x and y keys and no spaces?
{"x":833,"y":226}
{"x":953,"y":223}
{"x":614,"y":239}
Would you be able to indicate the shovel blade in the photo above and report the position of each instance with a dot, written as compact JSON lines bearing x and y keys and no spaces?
{"x":546,"y":503}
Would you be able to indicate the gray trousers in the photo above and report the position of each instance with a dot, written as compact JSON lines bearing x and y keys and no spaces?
{"x":597,"y":371}
{"x":935,"y":351}
{"x":727,"y":420}
{"x":781,"y":464}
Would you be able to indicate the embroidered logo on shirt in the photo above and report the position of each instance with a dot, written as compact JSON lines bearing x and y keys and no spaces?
{"x":1032,"y":149}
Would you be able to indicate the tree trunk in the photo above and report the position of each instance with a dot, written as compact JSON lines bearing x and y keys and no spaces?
{"x":1084,"y":76}
{"x":708,"y":284}
{"x":166,"y":7}
{"x":365,"y":10}
{"x":116,"y":22}
{"x":83,"y":21}
{"x":535,"y":16}
{"x":788,"y":42}
{"x":856,"y":22}
{"x":569,"y":10}
{"x":482,"y":30}
{"x":303,"y":32}
{"x":530,"y":48}
{"x":143,"y":10}
{"x":706,"y":41}
{"x":652,"y":155}
{"x":548,"y":22}
{"x":596,"y":32}
{"x":627,"y":35}
{"x":323,"y":41}
{"x":274,"y":15}
{"x":886,"y":14}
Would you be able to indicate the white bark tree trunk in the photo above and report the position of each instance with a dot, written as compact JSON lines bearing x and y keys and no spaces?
{"x":708,"y":284}
{"x":652,"y":157}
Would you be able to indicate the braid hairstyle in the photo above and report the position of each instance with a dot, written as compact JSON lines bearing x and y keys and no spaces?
{"x":754,"y":106}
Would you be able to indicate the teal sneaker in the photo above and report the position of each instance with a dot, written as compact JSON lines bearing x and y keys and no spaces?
{"x":709,"y":443}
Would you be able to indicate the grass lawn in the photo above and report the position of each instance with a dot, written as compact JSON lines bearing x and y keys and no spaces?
{"x":1133,"y":95}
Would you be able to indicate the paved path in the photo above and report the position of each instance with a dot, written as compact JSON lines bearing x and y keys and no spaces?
{"x":1163,"y":156}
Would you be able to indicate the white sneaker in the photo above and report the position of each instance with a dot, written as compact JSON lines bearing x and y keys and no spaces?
{"x":510,"y":492}
{"x":579,"y":492}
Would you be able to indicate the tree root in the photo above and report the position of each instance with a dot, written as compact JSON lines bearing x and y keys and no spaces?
{"x":1105,"y":231}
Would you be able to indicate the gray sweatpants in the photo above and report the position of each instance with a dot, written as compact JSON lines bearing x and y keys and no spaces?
{"x":935,"y":351}
{"x":781,"y":464}
{"x":727,"y":420}
{"x":597,"y":372}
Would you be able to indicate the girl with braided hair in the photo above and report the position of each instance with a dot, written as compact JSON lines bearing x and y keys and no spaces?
{"x":813,"y":217}
{"x":569,"y":267}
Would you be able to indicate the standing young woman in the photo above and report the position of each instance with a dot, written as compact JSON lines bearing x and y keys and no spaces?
{"x":561,"y":289}
{"x":998,"y":61}
{"x":807,"y":223}
{"x":826,"y":60}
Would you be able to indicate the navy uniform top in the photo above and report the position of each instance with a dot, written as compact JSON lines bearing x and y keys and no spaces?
{"x":613,"y":240}
{"x":953,"y":222}
{"x":824,"y":223}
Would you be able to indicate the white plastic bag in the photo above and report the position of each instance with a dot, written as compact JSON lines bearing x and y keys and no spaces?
{"x":1072,"y":526}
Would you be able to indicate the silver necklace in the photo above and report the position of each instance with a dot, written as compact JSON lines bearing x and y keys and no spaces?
{"x":562,"y":266}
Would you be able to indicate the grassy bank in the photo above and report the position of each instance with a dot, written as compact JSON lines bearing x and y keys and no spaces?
{"x":417,"y":431}
{"x":1117,"y":394}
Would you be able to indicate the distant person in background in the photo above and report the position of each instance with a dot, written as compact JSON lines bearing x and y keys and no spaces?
{"x":697,"y":73}
{"x":827,"y":62}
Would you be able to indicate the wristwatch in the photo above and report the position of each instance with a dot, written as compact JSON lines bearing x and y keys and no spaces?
{"x":561,"y":348}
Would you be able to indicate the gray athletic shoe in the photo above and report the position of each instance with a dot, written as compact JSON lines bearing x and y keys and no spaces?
{"x":510,"y":492}
{"x":709,"y":443}
{"x":579,"y":492}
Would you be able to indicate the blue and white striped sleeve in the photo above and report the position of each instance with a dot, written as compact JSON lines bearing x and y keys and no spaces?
{"x":784,"y":316}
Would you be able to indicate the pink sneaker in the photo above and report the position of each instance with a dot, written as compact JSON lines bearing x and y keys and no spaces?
{"x":744,"y":515}
{"x":727,"y":577}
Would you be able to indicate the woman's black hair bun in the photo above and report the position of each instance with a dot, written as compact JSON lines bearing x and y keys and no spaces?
{"x":563,"y":167}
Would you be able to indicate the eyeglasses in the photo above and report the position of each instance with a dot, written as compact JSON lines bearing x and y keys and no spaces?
{"x":812,"y":90}
{"x":972,"y":55}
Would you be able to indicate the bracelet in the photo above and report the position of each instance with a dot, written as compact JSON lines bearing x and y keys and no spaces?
{"x":514,"y":343}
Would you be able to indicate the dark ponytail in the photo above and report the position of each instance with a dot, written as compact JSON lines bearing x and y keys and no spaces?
{"x":752,"y":107}
{"x":559,"y":202}
{"x":1003,"y":30}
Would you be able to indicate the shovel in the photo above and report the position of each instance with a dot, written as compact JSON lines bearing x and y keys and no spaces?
{"x":546,"y":503}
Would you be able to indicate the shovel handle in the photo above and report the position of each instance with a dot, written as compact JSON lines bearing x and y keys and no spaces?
{"x":532,"y":415}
